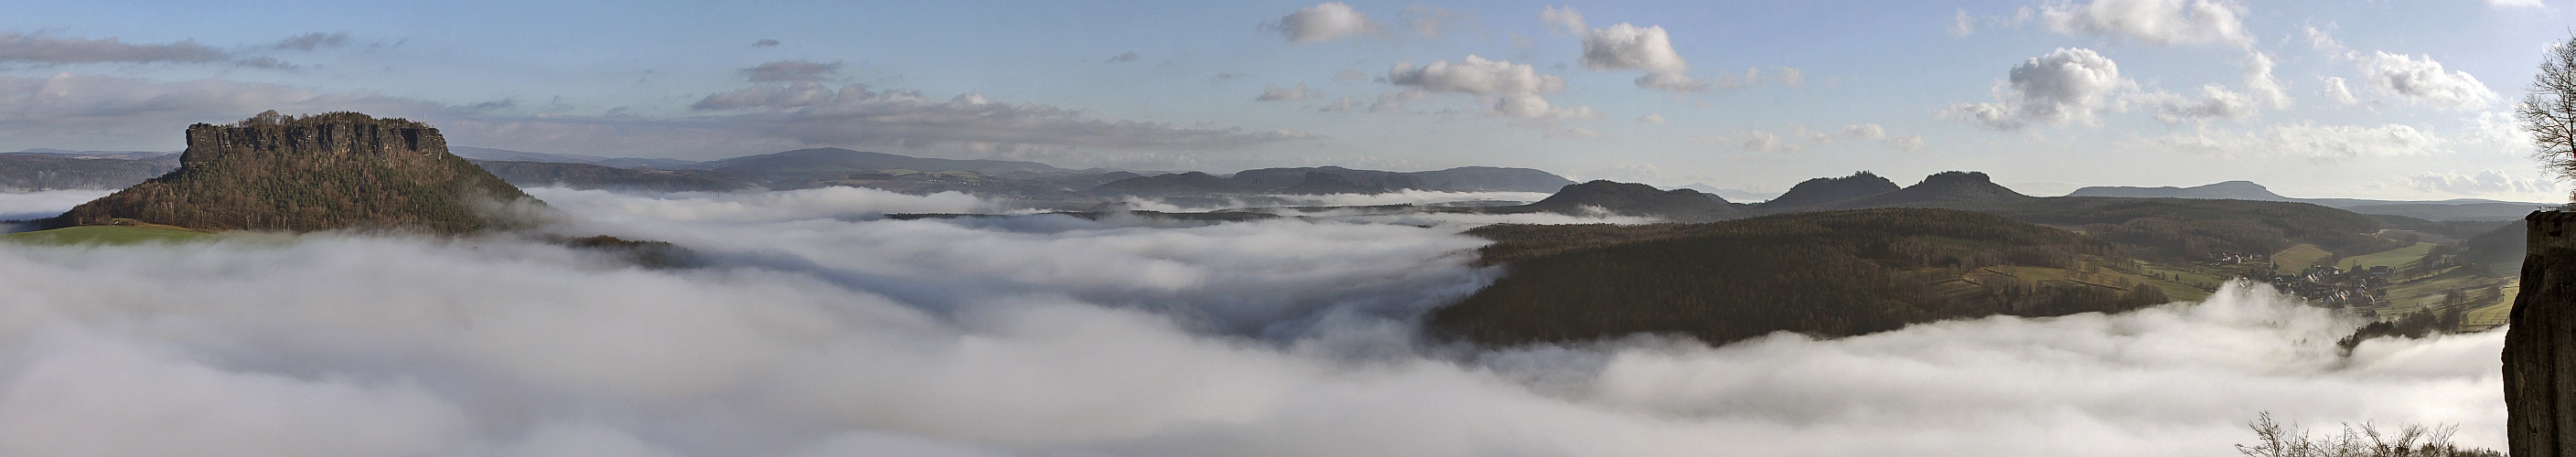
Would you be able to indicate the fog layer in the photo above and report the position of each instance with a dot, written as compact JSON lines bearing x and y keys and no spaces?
{"x":813,"y":327}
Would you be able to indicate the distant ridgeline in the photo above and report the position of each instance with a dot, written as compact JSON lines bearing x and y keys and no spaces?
{"x":315,"y":172}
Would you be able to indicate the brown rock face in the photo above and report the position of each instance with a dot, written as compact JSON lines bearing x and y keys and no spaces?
{"x":318,"y":172}
{"x":2540,"y":348}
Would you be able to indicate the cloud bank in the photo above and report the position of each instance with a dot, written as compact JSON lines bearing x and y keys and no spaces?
{"x":815,"y":329}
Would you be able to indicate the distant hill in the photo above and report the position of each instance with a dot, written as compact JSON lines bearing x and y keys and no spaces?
{"x":587,"y":176}
{"x":126,"y":155}
{"x":505,"y":155}
{"x":38,"y":171}
{"x":2230,"y":190}
{"x":1834,"y":273}
{"x":1491,"y":179}
{"x":1632,"y":199}
{"x":2439,"y":210}
{"x":1732,"y":195}
{"x":837,"y":160}
{"x":1945,"y":188}
{"x":1168,"y":184}
{"x":1826,"y":191}
{"x":318,"y":172}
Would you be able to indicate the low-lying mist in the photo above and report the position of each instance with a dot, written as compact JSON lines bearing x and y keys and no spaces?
{"x":812,"y":327}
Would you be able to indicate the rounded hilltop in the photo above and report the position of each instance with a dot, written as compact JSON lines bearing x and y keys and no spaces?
{"x":323,"y":171}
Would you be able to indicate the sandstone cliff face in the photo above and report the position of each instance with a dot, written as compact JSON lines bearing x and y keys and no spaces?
{"x":2540,"y":348}
{"x":319,"y":172}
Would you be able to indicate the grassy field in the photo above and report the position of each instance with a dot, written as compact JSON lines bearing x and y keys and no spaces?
{"x":2298,"y":258}
{"x":2393,"y":258}
{"x":2491,"y":316}
{"x":106,"y":234}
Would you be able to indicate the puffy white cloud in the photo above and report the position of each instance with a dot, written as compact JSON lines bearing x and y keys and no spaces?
{"x":2423,"y":81}
{"x":791,"y":70}
{"x":2484,"y":182}
{"x":1474,"y":75}
{"x":1276,"y":93}
{"x":1512,"y":90}
{"x":2067,"y":85}
{"x":2262,"y":91}
{"x":1530,"y":106}
{"x":1325,"y":22}
{"x":2322,"y":143}
{"x":1651,"y":119}
{"x":1629,"y":47}
{"x":2152,"y":21}
{"x":1563,"y":20}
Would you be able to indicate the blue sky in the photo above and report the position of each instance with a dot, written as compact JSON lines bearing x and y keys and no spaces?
{"x":2112,"y":92}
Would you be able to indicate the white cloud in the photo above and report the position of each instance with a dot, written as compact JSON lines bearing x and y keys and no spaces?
{"x":1276,"y":93}
{"x":1651,"y":119}
{"x":1341,"y":105}
{"x":1325,"y":22}
{"x":1512,"y":90}
{"x":1863,"y":132}
{"x":1576,"y":133}
{"x":2262,"y":91}
{"x":2340,"y":92}
{"x":855,"y":115}
{"x":2423,"y":81}
{"x":2322,"y":40}
{"x":2321,"y":143}
{"x":791,"y":70}
{"x":1432,"y":22}
{"x":2485,"y":182}
{"x":2152,"y":22}
{"x":1562,"y":20}
{"x":1963,"y":24}
{"x":2516,"y":4}
{"x":1629,"y":47}
{"x":1905,"y":142}
{"x":2066,"y":85}
{"x":1762,"y":141}
{"x":1474,"y":75}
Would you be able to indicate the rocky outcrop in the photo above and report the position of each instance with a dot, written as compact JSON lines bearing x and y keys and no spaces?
{"x":318,"y":172}
{"x":1632,"y":199}
{"x":1826,"y":191}
{"x":2540,"y":347}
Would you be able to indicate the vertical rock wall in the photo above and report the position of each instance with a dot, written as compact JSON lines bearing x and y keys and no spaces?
{"x":2540,"y":348}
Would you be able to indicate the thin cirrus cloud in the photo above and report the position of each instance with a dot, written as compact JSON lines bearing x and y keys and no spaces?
{"x":792,"y":70}
{"x":45,"y":50}
{"x":856,"y":115}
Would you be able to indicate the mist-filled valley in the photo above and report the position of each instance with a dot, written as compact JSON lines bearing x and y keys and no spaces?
{"x":807,"y":322}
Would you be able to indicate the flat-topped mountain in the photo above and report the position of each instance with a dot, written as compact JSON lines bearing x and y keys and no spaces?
{"x":1825,"y":191}
{"x":317,"y":172}
{"x":2230,"y":190}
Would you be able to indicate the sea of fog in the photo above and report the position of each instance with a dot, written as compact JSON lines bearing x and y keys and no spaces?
{"x":814,"y":327}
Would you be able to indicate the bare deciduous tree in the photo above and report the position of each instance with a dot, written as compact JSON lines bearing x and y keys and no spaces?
{"x":2549,"y":111}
